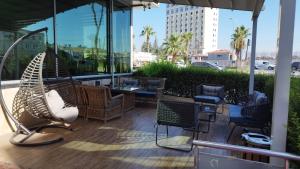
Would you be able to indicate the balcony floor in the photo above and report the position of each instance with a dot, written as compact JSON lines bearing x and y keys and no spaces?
{"x":127,"y":142}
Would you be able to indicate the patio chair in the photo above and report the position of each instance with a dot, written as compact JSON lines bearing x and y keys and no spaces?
{"x":82,"y":101}
{"x":151,"y":89}
{"x":177,"y":114}
{"x":211,"y":95}
{"x":46,"y":92}
{"x":256,"y":113}
{"x":101,"y":105}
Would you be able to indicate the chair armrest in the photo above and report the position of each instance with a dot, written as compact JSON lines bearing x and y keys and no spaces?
{"x":159,"y":92}
{"x":119,"y":96}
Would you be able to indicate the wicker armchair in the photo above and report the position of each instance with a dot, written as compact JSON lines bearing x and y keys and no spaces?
{"x":151,"y":89}
{"x":178,"y":114}
{"x":256,"y":113}
{"x":101,"y":105}
{"x":82,"y":101}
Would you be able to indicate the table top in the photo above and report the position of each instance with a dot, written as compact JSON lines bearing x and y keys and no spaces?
{"x":127,"y":89}
{"x":257,"y":139}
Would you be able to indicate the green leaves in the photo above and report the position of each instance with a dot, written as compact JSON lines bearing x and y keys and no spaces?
{"x":177,"y":45}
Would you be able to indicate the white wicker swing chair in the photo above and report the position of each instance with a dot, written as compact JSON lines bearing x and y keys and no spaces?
{"x":46,"y":93}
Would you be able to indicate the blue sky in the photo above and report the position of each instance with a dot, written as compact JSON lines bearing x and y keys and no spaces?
{"x":267,"y":25}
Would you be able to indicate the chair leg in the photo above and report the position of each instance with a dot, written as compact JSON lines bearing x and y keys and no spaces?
{"x":167,"y":131}
{"x":156,"y":132}
{"x":171,"y":148}
{"x":231,"y":132}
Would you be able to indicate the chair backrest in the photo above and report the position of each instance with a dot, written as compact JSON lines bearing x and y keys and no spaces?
{"x":210,"y":90}
{"x":130,"y":83}
{"x":96,"y":96}
{"x":81,"y":95}
{"x":175,"y":113}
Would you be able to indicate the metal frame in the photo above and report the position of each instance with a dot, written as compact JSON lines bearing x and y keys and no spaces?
{"x":286,"y":156}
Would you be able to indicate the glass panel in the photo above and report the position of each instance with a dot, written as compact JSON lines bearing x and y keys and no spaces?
{"x":82,"y":38}
{"x":210,"y":161}
{"x":121,"y":40}
{"x":24,"y":52}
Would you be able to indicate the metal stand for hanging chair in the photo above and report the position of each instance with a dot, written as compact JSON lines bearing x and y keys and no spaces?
{"x":31,"y":97}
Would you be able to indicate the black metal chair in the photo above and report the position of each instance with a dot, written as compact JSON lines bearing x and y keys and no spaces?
{"x":177,"y":114}
{"x":208,"y":94}
{"x":254,"y":114}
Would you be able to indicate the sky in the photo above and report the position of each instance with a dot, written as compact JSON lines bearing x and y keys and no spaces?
{"x":266,"y":30}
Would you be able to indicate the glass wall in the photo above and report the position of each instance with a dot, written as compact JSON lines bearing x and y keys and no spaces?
{"x":24,"y":52}
{"x":122,"y":40}
{"x":82,"y":38}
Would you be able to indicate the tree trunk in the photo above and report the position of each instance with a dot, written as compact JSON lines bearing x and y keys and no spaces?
{"x":148,"y":44}
{"x":173,"y":58}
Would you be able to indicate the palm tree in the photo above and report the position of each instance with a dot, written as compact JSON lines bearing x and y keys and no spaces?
{"x":173,"y":46}
{"x":147,"y":32}
{"x":238,"y":40}
{"x":186,"y":38}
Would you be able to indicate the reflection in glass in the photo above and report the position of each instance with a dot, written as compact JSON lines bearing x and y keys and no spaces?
{"x":24,"y":52}
{"x":82,"y":38}
{"x":121,"y":40}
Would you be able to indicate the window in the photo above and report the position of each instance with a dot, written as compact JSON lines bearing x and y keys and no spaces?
{"x":82,"y":41}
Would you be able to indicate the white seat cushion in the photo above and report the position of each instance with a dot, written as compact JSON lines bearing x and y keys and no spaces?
{"x":57,"y":107}
{"x":55,"y":102}
{"x":68,"y":114}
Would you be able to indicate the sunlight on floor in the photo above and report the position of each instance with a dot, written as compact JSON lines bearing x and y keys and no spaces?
{"x":165,"y":162}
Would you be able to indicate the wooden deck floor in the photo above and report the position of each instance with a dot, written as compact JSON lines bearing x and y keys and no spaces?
{"x":127,"y":143}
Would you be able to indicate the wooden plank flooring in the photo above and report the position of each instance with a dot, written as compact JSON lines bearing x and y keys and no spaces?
{"x":127,"y":143}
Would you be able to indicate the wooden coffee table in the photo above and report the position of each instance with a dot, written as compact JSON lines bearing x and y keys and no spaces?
{"x":129,"y":96}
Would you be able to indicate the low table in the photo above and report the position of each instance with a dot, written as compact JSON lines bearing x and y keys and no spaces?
{"x":129,"y":96}
{"x":258,"y":141}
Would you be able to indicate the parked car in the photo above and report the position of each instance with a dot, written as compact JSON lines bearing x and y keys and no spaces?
{"x":207,"y":65}
{"x":296,"y":66}
{"x":264,"y":65}
{"x":180,"y":64}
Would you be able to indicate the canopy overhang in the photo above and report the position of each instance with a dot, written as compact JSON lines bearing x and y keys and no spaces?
{"x":16,"y":14}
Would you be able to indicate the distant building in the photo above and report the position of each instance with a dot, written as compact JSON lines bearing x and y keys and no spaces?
{"x":29,"y":47}
{"x":198,"y":58}
{"x":201,"y":22}
{"x":223,"y":58}
{"x":141,"y":58}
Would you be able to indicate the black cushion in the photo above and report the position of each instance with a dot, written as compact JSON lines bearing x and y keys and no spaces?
{"x":235,"y":113}
{"x":211,"y":90}
{"x":130,"y":83}
{"x":207,"y":99}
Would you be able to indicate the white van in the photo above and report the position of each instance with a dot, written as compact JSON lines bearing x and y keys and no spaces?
{"x":264,"y":65}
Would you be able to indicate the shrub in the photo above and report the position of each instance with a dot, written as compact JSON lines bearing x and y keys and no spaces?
{"x":182,"y":82}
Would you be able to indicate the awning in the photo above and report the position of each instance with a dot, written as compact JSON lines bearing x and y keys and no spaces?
{"x":243,"y":5}
{"x":16,"y":14}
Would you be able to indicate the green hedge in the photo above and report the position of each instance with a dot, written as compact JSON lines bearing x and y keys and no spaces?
{"x":182,"y":82}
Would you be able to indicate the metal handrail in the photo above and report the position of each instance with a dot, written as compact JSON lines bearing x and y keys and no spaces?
{"x":243,"y":149}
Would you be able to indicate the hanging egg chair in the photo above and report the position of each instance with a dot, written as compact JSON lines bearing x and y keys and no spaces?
{"x":46,"y":94}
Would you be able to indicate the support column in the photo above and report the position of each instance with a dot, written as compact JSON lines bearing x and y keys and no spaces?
{"x":55,"y":36}
{"x":111,"y":50}
{"x":282,"y":77}
{"x":131,"y":40}
{"x":253,"y":55}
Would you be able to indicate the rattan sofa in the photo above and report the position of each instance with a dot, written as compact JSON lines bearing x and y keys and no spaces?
{"x":101,"y":105}
{"x":150,"y":88}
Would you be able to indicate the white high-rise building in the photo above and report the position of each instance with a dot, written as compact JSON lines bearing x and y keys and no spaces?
{"x":201,"y":22}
